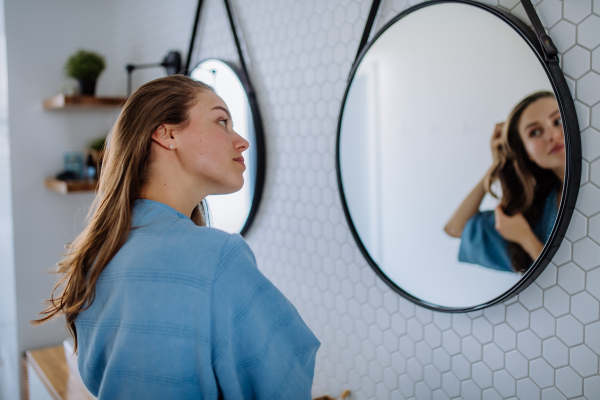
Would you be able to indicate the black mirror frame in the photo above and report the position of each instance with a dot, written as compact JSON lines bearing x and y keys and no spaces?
{"x":259,"y":137}
{"x":572,"y":153}
{"x":244,"y":77}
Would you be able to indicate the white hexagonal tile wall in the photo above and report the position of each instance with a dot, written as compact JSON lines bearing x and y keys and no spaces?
{"x":583,"y":114}
{"x":586,"y":253}
{"x":594,"y":228}
{"x":585,"y":172}
{"x":588,"y":88}
{"x":591,"y":387}
{"x":568,"y":382}
{"x":595,"y":111}
{"x":526,"y":389}
{"x":590,"y":144}
{"x":531,"y":298}
{"x":569,"y":330}
{"x":576,"y":61}
{"x":516,"y":364}
{"x":549,"y":11}
{"x":577,"y":11}
{"x":563,"y":35}
{"x":585,"y":308}
{"x":588,"y":32}
{"x":504,"y":383}
{"x":571,"y":278}
{"x":596,"y":60}
{"x":541,"y":373}
{"x":556,"y":301}
{"x":584,"y":361}
{"x":555,"y":352}
{"x":595,"y":171}
{"x":552,"y":394}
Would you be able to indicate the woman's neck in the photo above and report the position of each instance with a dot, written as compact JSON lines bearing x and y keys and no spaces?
{"x":560,"y":174}
{"x":175,"y":191}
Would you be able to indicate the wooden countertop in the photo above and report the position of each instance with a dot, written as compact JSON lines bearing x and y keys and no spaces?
{"x":51,"y":366}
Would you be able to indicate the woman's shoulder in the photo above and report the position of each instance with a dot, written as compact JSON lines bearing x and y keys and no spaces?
{"x":204,"y":240}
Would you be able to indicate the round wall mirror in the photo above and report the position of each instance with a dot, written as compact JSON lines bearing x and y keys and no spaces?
{"x":234,"y":212}
{"x":458,"y":155}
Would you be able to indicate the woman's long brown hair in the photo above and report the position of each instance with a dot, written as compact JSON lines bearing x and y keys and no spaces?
{"x":525,"y":185}
{"x":124,"y":174}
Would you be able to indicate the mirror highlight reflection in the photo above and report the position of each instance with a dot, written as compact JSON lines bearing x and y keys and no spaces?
{"x":230,"y":212}
{"x":452,"y":155}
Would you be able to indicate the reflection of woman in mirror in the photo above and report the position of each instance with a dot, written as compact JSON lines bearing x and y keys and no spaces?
{"x":529,"y":162}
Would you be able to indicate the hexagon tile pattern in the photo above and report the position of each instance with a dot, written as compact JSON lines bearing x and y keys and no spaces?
{"x":543,"y":344}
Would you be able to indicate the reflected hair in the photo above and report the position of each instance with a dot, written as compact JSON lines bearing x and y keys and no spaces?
{"x":525,"y":185}
{"x":124,"y":175}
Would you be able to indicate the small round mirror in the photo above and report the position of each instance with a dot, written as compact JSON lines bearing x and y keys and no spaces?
{"x":452,"y":159}
{"x":234,"y":212}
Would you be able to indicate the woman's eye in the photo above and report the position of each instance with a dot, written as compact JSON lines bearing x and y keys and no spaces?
{"x":535,"y":132}
{"x":223,"y":122}
{"x":558,"y":122}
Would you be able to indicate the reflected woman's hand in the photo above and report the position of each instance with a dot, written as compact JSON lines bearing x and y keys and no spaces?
{"x":516,"y":229}
{"x":512,"y":228}
{"x":496,"y":140}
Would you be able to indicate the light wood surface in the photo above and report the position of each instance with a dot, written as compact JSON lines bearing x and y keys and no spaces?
{"x":66,"y":187}
{"x":60,"y":101}
{"x":51,"y":367}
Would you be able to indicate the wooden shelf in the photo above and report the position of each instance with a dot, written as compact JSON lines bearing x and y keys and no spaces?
{"x":66,"y":187}
{"x":61,"y":102}
{"x":51,"y":367}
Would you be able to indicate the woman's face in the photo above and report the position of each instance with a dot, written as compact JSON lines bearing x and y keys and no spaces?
{"x":541,"y":132}
{"x":209,"y":148}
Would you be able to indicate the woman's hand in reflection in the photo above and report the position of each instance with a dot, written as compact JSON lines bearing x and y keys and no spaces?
{"x":496,"y":140}
{"x":512,"y":228}
{"x":516,"y":229}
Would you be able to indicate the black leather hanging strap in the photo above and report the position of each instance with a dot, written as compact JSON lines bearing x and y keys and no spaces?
{"x":238,"y":47}
{"x":549,"y":49}
{"x":193,"y":39}
{"x":368,"y":27}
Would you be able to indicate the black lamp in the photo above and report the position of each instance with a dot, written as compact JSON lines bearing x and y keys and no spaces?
{"x":172,"y":62}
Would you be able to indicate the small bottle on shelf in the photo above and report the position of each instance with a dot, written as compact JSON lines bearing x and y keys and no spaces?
{"x":90,"y":169}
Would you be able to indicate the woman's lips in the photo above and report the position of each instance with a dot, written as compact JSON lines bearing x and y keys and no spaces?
{"x":557,"y":148}
{"x":240,"y":160}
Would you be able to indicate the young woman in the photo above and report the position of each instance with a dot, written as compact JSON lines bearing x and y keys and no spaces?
{"x":161,"y":306}
{"x":529,"y":162}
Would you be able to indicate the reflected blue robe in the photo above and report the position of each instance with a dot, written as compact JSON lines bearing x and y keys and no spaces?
{"x":182,"y":312}
{"x":481,"y":243}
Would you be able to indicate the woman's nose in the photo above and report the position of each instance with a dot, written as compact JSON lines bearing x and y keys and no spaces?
{"x":241,"y":143}
{"x":555,"y":132}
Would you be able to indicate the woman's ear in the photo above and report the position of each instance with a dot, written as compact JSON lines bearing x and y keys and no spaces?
{"x":163,"y":136}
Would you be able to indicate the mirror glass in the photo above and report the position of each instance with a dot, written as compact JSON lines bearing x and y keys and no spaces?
{"x":428,"y":123}
{"x":230,"y":212}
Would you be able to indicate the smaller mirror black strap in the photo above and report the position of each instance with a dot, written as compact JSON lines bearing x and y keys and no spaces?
{"x":550,"y":51}
{"x":187,"y":71}
{"x":368,"y":27}
{"x":238,"y":47}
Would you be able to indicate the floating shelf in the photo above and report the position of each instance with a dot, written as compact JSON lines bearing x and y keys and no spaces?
{"x":66,"y":187}
{"x":61,"y":102}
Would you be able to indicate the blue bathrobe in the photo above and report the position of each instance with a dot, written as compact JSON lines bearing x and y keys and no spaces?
{"x":481,"y":243}
{"x":182,"y":312}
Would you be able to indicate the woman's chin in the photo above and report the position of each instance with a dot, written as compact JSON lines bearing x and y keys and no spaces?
{"x":234,"y":187}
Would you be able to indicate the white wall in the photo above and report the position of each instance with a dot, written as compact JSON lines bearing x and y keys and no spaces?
{"x":374,"y":342}
{"x":9,"y":372}
{"x":40,"y":36}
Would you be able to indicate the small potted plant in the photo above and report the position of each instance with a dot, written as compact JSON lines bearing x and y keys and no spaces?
{"x":86,"y":67}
